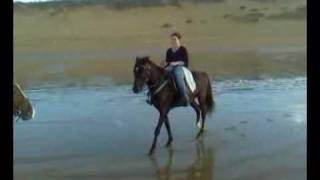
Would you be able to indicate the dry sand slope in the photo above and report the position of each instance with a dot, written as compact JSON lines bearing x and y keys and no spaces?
{"x":95,"y":45}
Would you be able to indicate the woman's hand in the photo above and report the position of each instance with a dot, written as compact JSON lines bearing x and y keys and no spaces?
{"x":177,"y":63}
{"x":163,"y":63}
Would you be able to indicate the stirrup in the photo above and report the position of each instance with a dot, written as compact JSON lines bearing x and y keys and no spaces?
{"x":183,"y":101}
{"x":149,"y":98}
{"x":149,"y":101}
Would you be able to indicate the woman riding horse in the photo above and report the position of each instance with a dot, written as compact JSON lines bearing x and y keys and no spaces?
{"x":176,"y":59}
{"x":164,"y":95}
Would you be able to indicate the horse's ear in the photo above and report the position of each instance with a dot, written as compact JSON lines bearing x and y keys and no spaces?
{"x":146,"y":59}
{"x":137,"y":58}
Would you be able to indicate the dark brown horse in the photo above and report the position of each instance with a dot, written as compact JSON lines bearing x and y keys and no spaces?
{"x":164,"y":94}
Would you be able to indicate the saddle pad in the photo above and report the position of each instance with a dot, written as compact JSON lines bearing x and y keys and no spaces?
{"x":189,"y":79}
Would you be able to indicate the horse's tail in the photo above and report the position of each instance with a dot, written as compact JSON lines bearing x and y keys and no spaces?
{"x":209,"y":98}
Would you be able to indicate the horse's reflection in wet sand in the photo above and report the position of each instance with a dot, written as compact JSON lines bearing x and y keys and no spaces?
{"x":201,"y":168}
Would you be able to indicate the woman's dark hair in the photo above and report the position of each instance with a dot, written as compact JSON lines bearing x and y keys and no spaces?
{"x":177,"y":34}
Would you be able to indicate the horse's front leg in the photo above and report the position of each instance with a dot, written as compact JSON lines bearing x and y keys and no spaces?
{"x":156,"y":133}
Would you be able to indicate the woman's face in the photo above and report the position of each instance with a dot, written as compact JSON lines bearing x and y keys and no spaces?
{"x":175,"y":42}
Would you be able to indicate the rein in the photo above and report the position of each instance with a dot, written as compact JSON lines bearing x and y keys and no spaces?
{"x":161,"y":87}
{"x":158,"y":85}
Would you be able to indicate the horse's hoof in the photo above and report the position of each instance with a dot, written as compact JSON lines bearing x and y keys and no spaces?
{"x":151,"y":152}
{"x":199,"y":134}
{"x":168,"y":144}
{"x":199,"y":125}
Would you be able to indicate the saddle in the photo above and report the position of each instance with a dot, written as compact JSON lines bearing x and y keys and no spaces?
{"x":189,"y":81}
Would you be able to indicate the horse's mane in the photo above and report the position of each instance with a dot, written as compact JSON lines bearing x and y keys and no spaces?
{"x":19,"y":98}
{"x":17,"y":88}
{"x":147,"y":58}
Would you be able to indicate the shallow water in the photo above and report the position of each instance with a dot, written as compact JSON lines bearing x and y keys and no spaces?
{"x":258,"y":131}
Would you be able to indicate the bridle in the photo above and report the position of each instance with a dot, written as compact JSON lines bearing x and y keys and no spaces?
{"x":155,"y":88}
{"x":17,"y":115}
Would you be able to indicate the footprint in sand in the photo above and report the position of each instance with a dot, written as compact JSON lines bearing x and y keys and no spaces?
{"x":270,"y":120}
{"x":287,"y":115}
{"x":231,"y":128}
{"x":243,"y":122}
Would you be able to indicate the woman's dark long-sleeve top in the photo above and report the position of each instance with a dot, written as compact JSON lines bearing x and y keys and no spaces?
{"x":180,"y":54}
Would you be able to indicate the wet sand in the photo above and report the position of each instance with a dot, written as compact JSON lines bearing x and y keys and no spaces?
{"x":100,"y":68}
{"x":258,"y":131}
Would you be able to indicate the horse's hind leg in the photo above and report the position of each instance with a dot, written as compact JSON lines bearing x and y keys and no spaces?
{"x":203,"y":108}
{"x":167,"y":124}
{"x":196,"y":107}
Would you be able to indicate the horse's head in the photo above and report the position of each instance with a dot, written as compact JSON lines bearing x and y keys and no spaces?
{"x":141,"y":72}
{"x":21,"y":104}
